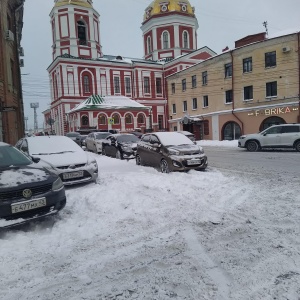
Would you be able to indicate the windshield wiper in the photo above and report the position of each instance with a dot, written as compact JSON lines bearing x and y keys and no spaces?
{"x":52,"y":153}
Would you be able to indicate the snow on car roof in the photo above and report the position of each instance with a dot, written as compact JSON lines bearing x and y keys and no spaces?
{"x":51,"y":144}
{"x":173,"y":138}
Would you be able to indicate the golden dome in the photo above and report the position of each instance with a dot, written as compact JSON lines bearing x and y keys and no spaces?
{"x":164,"y":6}
{"x":84,"y":3}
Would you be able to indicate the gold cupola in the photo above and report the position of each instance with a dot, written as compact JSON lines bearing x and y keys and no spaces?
{"x":161,"y":7}
{"x":82,"y":3}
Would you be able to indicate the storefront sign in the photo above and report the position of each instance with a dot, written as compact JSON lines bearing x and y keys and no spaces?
{"x":273,"y":111}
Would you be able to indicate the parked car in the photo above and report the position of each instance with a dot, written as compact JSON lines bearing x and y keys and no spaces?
{"x":80,"y":140}
{"x":61,"y":155}
{"x":27,"y":191}
{"x":188,"y":134}
{"x":170,"y":151}
{"x":276,"y":136}
{"x":121,"y":146}
{"x":73,"y":135}
{"x":94,"y":141}
{"x":137,"y":133}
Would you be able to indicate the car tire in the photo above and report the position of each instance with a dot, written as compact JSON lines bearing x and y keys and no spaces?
{"x":119,"y":155}
{"x":164,"y":166}
{"x":252,"y":146}
{"x":138,"y":160}
{"x":297,"y":146}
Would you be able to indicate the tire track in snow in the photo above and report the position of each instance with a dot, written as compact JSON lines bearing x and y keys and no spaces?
{"x":212,"y":269}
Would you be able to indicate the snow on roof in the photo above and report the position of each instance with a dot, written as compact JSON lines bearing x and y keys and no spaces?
{"x":96,"y":102}
{"x":284,"y":32}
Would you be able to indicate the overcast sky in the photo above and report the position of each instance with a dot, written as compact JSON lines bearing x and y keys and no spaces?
{"x":220,"y":24}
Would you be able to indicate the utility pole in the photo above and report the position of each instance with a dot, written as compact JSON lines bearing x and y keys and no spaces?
{"x":35,"y":106}
{"x":26,"y":119}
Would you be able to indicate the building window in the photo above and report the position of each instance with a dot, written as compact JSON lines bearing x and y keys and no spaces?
{"x":247,"y":65}
{"x":204,"y":78}
{"x":206,"y":127}
{"x":128,"y":119}
{"x":85,"y":121}
{"x":173,"y":88}
{"x":194,"y":81}
{"x":270,"y":59}
{"x":102,"y":120}
{"x":185,"y":40}
{"x":81,"y":32}
{"x":271,"y":89}
{"x":165,"y":40}
{"x":184,"y":106}
{"x":146,"y":85}
{"x":116,"y":119}
{"x":175,"y":128}
{"x":141,"y":119}
{"x":183,"y":84}
{"x":86,"y":84}
{"x":174,"y":108}
{"x":158,"y":86}
{"x":228,"y":70}
{"x":231,"y":131}
{"x":117,"y":84}
{"x":149,"y":46}
{"x":195,"y":104}
{"x":248,"y":92}
{"x":127,"y":85}
{"x":205,"y":101}
{"x":229,"y":96}
{"x":160,"y":122}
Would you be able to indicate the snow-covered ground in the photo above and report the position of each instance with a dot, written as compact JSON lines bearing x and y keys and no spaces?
{"x":140,"y":234}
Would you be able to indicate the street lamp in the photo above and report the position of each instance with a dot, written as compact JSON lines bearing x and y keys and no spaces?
{"x":150,"y":120}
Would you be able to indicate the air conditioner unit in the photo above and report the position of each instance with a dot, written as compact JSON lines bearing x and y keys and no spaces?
{"x":9,"y":35}
{"x":21,"y":63}
{"x":286,"y":49}
{"x":21,"y":51}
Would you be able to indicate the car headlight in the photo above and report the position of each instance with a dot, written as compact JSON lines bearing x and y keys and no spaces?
{"x":201,"y":150}
{"x":57,"y":185}
{"x":174,"y":151}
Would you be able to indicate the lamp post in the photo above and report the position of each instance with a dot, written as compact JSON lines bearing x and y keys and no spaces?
{"x":26,"y":119}
{"x":150,"y":120}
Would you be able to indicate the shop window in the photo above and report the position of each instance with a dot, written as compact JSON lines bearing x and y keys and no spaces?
{"x":270,"y":122}
{"x":231,"y":131}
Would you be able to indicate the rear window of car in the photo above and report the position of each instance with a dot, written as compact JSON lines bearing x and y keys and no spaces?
{"x":127,"y":138}
{"x":101,"y":136}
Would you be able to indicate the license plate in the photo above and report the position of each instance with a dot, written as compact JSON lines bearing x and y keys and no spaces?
{"x":194,"y":162}
{"x":73,"y":175}
{"x":28,"y":205}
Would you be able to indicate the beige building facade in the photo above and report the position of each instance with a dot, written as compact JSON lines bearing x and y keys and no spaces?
{"x":240,"y":91}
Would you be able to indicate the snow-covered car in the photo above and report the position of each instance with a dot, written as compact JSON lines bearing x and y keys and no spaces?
{"x":170,"y":151}
{"x":276,"y":136}
{"x":94,"y":140}
{"x":73,"y":135}
{"x":27,"y":191}
{"x":121,"y":146}
{"x":62,"y":156}
{"x":188,"y":134}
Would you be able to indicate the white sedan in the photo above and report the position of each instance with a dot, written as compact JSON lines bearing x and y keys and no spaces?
{"x":62,"y":156}
{"x":94,"y":141}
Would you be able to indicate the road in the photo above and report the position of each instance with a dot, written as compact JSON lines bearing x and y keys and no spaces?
{"x":284,"y":164}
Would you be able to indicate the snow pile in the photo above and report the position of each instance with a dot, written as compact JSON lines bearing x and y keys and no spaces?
{"x":233,"y":143}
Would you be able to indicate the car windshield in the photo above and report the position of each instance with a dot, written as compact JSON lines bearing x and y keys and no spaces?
{"x":52,"y":145}
{"x":10,"y":156}
{"x":101,"y":136}
{"x":173,"y":139}
{"x":128,"y":138}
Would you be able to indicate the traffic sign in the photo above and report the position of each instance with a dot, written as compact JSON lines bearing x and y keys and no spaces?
{"x":111,"y":121}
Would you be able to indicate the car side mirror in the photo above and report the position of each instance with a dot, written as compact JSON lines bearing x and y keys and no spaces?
{"x":265,"y":134}
{"x":35,"y":159}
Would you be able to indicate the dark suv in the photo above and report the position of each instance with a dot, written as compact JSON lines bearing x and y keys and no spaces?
{"x":27,"y":191}
{"x":276,"y":136}
{"x":170,"y":151}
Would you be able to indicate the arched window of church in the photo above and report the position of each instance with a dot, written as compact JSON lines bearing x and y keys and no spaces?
{"x":81,"y":31}
{"x":141,"y":119}
{"x":86,"y":84}
{"x":116,"y":119}
{"x":185,"y":40}
{"x":85,"y":121}
{"x":102,"y":119}
{"x":128,"y":119}
{"x":165,"y":40}
{"x":149,"y":46}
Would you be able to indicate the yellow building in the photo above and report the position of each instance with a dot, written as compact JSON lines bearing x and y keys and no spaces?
{"x":240,"y":91}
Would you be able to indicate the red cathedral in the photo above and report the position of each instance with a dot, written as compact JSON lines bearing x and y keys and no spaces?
{"x":94,"y":90}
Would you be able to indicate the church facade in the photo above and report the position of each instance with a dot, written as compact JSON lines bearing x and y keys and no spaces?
{"x":80,"y":69}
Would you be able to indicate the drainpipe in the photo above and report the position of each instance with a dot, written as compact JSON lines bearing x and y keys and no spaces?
{"x":232,"y":79}
{"x":299,"y":75}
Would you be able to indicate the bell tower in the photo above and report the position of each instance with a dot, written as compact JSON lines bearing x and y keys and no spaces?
{"x":75,"y":29}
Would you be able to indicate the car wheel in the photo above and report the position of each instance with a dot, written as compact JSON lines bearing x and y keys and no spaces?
{"x":164,"y":167}
{"x":297,"y":146}
{"x":252,"y":146}
{"x":103,"y":151}
{"x":138,"y":160}
{"x":118,"y":155}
